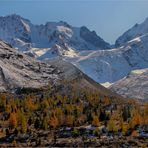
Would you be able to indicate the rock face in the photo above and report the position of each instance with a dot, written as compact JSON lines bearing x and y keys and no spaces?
{"x":40,"y":40}
{"x":92,"y":38}
{"x":135,"y":85}
{"x":20,"y":71}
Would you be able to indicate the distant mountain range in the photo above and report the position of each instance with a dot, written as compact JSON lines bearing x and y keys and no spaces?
{"x":85,"y":49}
{"x":51,"y":39}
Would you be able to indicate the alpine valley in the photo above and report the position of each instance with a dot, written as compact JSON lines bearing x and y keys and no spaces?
{"x":104,"y":63}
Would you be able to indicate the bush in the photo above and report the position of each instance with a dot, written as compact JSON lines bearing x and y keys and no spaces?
{"x":14,"y":144}
{"x":75,"y":132}
{"x":134,"y":133}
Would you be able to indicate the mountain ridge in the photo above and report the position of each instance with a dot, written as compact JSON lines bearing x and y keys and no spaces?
{"x":22,"y":34}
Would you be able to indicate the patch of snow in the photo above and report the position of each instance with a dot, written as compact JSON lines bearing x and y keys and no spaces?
{"x":106,"y":84}
{"x":139,"y":71}
{"x":135,"y":40}
{"x":40,"y":51}
{"x":27,"y":27}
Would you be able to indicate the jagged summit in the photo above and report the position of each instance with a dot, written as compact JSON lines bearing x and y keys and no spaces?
{"x":93,"y":38}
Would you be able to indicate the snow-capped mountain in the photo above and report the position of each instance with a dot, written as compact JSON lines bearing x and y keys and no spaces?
{"x":135,"y":85}
{"x":49,"y":40}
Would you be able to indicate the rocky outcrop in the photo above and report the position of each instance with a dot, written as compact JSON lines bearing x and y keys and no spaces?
{"x":135,"y":85}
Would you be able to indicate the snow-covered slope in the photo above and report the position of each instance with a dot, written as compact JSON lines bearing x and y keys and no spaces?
{"x":51,"y":39}
{"x":111,"y":65}
{"x":135,"y":85}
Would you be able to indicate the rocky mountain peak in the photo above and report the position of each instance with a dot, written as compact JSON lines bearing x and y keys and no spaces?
{"x":93,"y":38}
{"x":136,"y":31}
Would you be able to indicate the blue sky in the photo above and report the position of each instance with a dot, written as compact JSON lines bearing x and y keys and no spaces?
{"x":109,"y":18}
